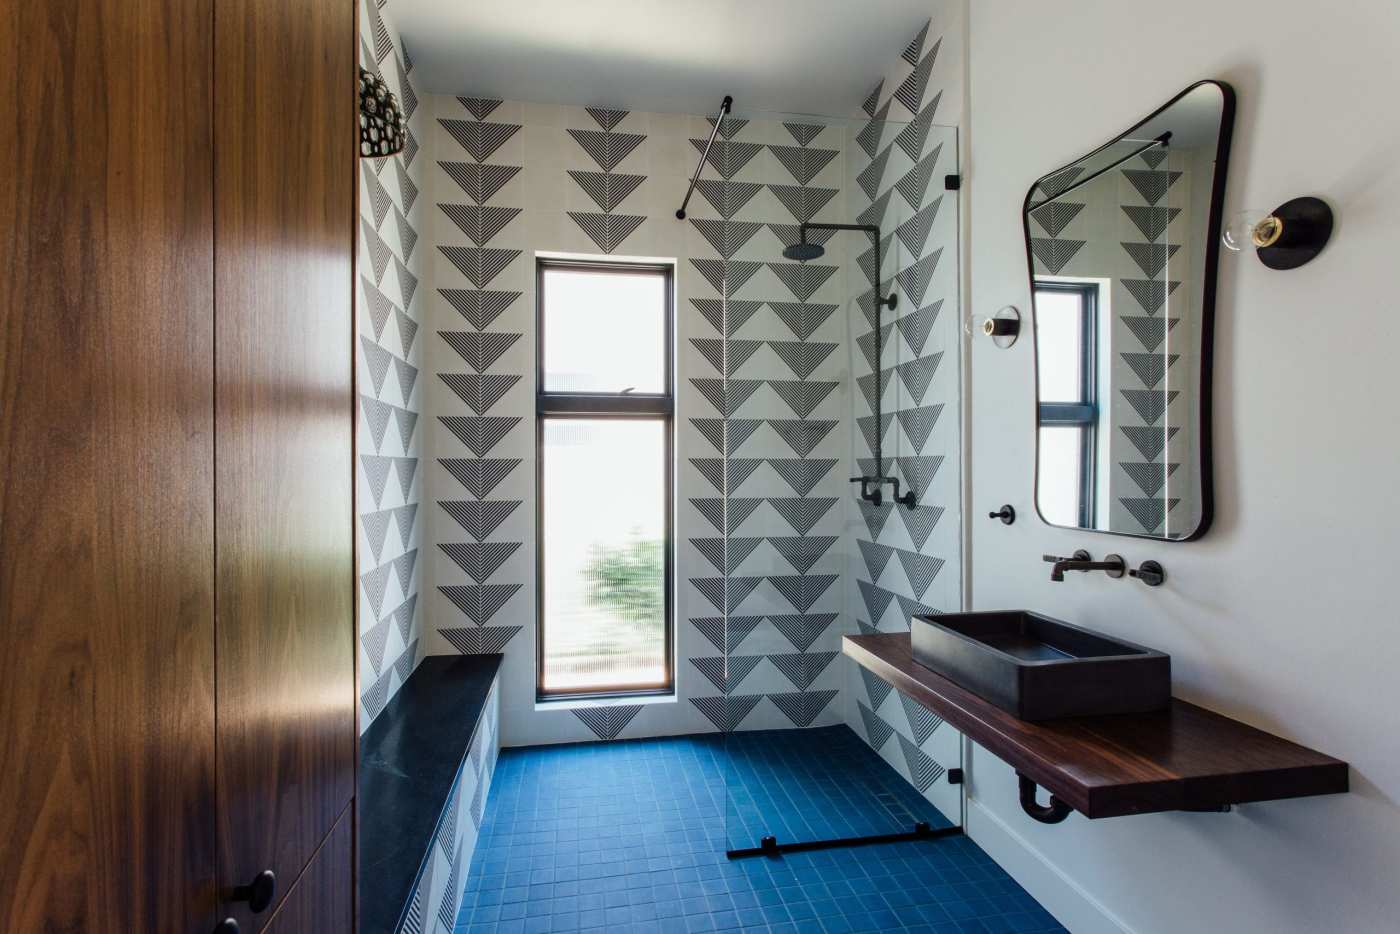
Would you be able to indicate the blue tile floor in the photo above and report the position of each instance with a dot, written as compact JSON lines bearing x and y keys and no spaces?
{"x":815,"y":784}
{"x":629,"y":838}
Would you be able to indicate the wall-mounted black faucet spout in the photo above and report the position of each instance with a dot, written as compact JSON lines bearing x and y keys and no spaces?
{"x":1112,"y":565}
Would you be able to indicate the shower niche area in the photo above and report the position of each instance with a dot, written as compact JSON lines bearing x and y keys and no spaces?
{"x":821,"y":334}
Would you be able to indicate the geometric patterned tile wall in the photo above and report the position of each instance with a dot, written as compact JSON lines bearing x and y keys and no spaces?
{"x":770,"y":373}
{"x":511,"y":179}
{"x":763,"y":397}
{"x":478,"y":428}
{"x":432,"y":908}
{"x":908,"y":561}
{"x":388,"y":362}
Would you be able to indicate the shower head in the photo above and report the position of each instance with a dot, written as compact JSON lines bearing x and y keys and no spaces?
{"x":804,"y":251}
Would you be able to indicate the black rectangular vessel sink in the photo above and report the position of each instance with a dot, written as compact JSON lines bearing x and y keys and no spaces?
{"x":1039,"y":668}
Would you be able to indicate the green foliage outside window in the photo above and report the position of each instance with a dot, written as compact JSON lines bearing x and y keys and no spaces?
{"x":628,"y":580}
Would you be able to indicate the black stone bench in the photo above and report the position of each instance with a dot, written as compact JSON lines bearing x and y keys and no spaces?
{"x":425,"y":767}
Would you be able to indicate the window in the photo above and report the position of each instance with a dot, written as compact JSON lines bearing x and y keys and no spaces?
{"x":1066,"y":329}
{"x":605,"y":411}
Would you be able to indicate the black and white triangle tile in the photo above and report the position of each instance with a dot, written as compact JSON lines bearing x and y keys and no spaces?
{"x":480,"y":395}
{"x":437,"y":894}
{"x":1148,"y":444}
{"x":762,"y":351}
{"x":899,"y":566}
{"x":610,"y":145}
{"x":392,"y":398}
{"x":762,"y":384}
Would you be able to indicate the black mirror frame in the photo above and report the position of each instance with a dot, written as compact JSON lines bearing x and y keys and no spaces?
{"x":1208,"y":292}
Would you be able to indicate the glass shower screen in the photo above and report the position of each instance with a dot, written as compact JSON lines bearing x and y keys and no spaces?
{"x":806,"y":379}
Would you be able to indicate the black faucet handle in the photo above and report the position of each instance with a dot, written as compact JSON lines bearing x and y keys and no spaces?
{"x":1150,"y":573}
{"x":1079,"y":555}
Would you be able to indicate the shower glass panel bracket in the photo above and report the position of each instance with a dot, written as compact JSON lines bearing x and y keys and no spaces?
{"x":725,"y":106}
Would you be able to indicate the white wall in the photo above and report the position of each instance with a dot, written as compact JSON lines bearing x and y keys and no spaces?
{"x":1284,"y":614}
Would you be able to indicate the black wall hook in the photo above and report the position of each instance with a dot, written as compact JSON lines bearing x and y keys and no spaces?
{"x":1007,"y":514}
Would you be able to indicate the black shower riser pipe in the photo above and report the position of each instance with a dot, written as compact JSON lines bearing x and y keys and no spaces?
{"x":890,"y":301}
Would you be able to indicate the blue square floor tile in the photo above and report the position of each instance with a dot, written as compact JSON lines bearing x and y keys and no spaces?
{"x":630,"y":836}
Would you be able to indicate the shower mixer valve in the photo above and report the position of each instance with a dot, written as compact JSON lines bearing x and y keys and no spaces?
{"x":871,"y":492}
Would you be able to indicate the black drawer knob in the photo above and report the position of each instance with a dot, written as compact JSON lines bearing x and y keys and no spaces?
{"x":259,"y":893}
{"x":227,"y":926}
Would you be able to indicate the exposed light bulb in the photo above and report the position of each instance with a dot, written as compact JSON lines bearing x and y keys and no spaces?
{"x":1002,"y":328}
{"x":1251,"y":227}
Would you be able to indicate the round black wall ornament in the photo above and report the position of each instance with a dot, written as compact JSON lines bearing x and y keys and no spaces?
{"x":381,"y":124}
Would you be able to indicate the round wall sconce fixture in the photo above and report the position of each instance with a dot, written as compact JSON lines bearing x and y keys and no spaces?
{"x":1284,"y":238}
{"x":381,"y":123}
{"x":1003,"y":327}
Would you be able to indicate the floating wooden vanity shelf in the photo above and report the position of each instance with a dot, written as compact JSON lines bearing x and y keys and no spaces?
{"x":1182,"y":758}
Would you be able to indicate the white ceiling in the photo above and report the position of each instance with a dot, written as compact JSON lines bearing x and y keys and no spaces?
{"x":680,"y":56}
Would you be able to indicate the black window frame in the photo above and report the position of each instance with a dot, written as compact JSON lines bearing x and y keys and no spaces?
{"x":1084,"y":414}
{"x":620,"y":405}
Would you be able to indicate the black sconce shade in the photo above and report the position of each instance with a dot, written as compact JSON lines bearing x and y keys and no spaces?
{"x":381,"y":124}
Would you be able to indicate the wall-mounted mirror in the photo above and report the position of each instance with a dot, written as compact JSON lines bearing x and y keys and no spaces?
{"x":1123,"y":245}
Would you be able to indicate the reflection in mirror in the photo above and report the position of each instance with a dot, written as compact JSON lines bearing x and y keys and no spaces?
{"x":1122,"y":246}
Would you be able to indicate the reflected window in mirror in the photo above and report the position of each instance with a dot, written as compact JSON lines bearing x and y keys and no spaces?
{"x":1122,"y":247}
{"x":1068,"y":414}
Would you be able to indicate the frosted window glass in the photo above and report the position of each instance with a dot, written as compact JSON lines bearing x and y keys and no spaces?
{"x":604,"y":331}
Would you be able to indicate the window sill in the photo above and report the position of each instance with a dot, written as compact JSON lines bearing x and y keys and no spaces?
{"x":583,"y":703}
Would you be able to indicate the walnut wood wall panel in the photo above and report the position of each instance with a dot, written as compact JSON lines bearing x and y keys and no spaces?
{"x":321,"y":902}
{"x":106,"y":488}
{"x":285,"y":139}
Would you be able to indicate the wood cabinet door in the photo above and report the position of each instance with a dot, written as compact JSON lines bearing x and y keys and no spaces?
{"x":107,"y":480}
{"x":286,"y":142}
{"x":321,"y":900}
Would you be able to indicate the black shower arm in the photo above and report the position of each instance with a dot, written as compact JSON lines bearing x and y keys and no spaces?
{"x":873,"y":230}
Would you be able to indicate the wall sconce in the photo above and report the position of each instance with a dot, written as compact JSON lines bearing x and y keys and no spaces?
{"x":381,"y":124}
{"x":1003,"y":327}
{"x":1284,"y":238}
